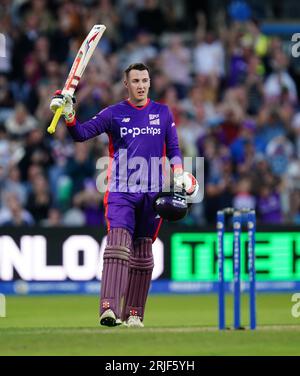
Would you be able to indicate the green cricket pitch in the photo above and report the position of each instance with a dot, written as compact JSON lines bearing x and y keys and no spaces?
{"x":174,"y":325}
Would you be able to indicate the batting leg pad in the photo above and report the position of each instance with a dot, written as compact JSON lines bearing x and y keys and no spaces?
{"x":140,"y":271}
{"x":115,"y":270}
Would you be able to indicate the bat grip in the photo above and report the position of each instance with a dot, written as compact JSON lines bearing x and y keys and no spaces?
{"x":52,"y":127}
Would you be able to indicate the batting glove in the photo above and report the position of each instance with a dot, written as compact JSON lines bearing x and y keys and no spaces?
{"x":186,"y":181}
{"x":66,"y":101}
{"x":178,"y":180}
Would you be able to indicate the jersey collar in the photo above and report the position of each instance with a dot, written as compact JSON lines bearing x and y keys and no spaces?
{"x":138,"y":108}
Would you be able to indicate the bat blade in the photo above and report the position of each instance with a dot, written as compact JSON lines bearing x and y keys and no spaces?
{"x":82,"y":58}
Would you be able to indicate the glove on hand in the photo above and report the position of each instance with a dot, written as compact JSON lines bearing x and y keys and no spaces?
{"x":66,"y":101}
{"x":186,"y":181}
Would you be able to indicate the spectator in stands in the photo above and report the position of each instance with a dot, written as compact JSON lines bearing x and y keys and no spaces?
{"x":209,"y":57}
{"x":279,"y":85}
{"x":40,"y":199}
{"x":5,"y":152}
{"x":7,"y":102}
{"x":269,"y":205}
{"x":243,"y":197}
{"x":36,"y":151}
{"x":13,"y":184}
{"x":13,"y":214}
{"x":90,"y":201}
{"x":61,"y":151}
{"x":54,"y":218}
{"x":20,"y":122}
{"x":151,"y":17}
{"x":79,"y":167}
{"x":141,"y":49}
{"x":176,"y":60}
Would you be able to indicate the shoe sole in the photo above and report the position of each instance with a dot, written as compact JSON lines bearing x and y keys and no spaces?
{"x":135,"y":326}
{"x":131,"y":325}
{"x":109,"y":321}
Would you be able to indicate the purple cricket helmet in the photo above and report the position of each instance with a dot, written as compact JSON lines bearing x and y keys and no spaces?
{"x":171,"y":206}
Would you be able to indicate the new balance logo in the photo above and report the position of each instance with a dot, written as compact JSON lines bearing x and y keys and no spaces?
{"x":126,"y":120}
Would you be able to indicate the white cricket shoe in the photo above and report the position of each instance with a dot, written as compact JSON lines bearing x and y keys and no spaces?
{"x":108,"y":318}
{"x":134,"y":322}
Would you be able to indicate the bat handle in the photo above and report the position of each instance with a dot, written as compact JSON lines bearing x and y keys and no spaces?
{"x":52,"y":127}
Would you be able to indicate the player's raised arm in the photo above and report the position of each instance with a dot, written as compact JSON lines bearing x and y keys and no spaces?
{"x":80,"y":131}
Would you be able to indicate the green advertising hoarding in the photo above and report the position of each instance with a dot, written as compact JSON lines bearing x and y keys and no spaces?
{"x":194,"y":256}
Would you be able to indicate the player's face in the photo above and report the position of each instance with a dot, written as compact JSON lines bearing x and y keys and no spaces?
{"x":138,"y":84}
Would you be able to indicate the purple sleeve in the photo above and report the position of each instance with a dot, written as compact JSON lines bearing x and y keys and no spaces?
{"x":101,"y":123}
{"x":172,"y":148}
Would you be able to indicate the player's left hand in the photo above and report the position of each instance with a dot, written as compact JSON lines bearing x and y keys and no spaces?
{"x":188,"y":182}
{"x":63,"y":100}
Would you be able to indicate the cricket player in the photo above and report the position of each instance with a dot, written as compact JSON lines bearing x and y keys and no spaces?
{"x":144,"y":129}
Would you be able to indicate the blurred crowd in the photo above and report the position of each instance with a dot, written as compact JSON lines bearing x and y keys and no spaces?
{"x":233,"y":92}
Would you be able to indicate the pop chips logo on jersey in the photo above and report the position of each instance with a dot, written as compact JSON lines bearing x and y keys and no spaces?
{"x":135,"y":131}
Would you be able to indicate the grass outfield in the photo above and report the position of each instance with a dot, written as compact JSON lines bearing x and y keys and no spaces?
{"x":174,"y":325}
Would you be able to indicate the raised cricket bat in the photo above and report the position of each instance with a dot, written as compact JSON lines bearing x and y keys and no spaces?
{"x":82,"y":58}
